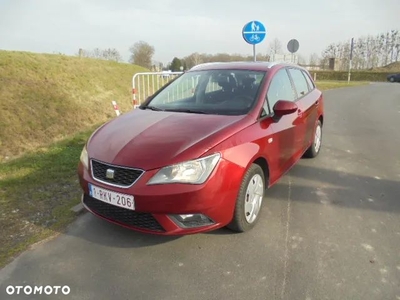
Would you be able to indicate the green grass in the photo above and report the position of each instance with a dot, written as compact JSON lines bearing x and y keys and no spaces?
{"x":37,"y":192}
{"x":49,"y":105}
{"x":45,"y":97}
{"x":328,"y":85}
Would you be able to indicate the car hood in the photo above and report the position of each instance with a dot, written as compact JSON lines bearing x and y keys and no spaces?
{"x":148,"y":139}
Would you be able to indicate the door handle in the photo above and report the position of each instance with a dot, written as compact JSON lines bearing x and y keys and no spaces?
{"x":316,"y":103}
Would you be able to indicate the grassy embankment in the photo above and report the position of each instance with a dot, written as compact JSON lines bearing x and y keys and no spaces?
{"x":49,"y":104}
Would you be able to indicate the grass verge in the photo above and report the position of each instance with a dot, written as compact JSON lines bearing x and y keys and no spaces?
{"x":46,"y":98}
{"x":37,"y":192}
{"x":328,"y":85}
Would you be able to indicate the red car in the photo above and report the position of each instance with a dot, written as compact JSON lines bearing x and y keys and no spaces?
{"x":200,"y":153}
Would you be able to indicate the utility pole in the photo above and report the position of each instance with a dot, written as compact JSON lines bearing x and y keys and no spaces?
{"x":351,"y":59}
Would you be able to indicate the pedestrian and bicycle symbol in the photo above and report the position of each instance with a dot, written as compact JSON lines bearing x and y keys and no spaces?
{"x":254,"y":32}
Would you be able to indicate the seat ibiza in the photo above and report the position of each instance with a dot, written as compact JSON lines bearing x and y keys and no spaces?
{"x":201,"y":152}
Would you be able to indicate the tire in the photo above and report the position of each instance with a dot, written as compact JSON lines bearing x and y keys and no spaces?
{"x":316,"y":144}
{"x":248,"y":205}
{"x":391,"y":79}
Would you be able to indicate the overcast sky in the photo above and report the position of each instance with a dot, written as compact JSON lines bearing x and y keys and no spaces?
{"x":180,"y":27}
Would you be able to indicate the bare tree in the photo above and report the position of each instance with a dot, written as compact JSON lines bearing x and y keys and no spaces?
{"x":84,"y":53}
{"x":393,"y":40}
{"x":275,"y":46}
{"x":369,"y":51}
{"x":374,"y":62}
{"x":301,"y":60}
{"x":313,"y":59}
{"x":157,"y":66}
{"x":397,"y":47}
{"x":111,"y":54}
{"x":197,"y":58}
{"x":193,"y":59}
{"x":221,"y":57}
{"x":142,"y":54}
{"x":97,"y":53}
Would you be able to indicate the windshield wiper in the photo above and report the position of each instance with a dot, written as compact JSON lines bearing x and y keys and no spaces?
{"x":191,"y":111}
{"x":152,"y":108}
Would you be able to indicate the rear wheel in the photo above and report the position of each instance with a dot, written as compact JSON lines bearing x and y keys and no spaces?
{"x":249,"y":200}
{"x":315,"y":147}
{"x":391,"y":79}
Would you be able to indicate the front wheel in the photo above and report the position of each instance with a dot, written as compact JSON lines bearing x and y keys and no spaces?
{"x":315,"y":147}
{"x":391,"y":79}
{"x":249,"y":200}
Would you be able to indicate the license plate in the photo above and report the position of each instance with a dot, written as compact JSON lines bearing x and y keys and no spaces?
{"x":113,"y":198}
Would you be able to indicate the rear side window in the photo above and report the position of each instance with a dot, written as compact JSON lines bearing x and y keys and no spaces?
{"x":280,"y":88}
{"x":309,"y":81}
{"x":299,"y":81}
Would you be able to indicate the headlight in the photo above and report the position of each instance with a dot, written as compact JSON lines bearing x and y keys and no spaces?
{"x":193,"y":171}
{"x":85,"y":157}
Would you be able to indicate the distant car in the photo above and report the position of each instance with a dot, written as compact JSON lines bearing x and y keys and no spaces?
{"x":394,"y":77}
{"x":191,"y":162}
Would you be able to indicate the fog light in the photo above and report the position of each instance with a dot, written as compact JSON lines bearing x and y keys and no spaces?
{"x":191,"y":220}
{"x":184,"y":217}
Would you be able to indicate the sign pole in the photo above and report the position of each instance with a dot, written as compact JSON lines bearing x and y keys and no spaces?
{"x":254,"y":53}
{"x":349,"y":76}
{"x":351,"y":60}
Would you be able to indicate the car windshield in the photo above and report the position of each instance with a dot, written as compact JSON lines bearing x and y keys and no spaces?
{"x":224,"y":92}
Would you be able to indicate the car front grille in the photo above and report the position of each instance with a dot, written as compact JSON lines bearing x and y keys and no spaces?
{"x":122,"y":176}
{"x":122,"y":215}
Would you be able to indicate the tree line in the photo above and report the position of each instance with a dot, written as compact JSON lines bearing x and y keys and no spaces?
{"x":97,"y":53}
{"x":368,"y":52}
{"x":141,"y":54}
{"x":196,"y":58}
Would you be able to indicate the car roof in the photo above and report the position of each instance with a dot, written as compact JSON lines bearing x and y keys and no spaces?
{"x":241,"y":65}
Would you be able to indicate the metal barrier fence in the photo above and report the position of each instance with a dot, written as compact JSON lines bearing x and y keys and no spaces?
{"x":146,"y":84}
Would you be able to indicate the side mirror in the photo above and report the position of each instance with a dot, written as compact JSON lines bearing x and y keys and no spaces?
{"x":283,"y":107}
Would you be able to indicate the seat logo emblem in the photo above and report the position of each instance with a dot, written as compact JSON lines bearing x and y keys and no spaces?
{"x":110,"y":173}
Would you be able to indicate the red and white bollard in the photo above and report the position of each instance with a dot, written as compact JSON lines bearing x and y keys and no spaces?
{"x":116,"y":109}
{"x":135,"y":103}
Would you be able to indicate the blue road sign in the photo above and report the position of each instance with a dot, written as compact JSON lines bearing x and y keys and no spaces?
{"x":254,"y":32}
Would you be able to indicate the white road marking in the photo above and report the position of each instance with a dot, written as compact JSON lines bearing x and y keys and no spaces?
{"x":368,"y":247}
{"x":383,"y":271}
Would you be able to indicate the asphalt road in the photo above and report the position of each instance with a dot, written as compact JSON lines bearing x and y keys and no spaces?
{"x":329,"y":230}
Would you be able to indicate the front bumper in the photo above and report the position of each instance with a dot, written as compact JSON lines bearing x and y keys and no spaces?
{"x":155,"y":205}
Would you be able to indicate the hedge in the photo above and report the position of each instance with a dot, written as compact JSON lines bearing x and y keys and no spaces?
{"x":355,"y":75}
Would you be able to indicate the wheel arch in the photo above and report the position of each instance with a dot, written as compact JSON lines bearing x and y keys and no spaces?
{"x":263,"y":163}
{"x":321,"y":119}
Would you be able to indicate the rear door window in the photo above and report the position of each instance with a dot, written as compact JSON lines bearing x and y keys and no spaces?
{"x":299,"y":81}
